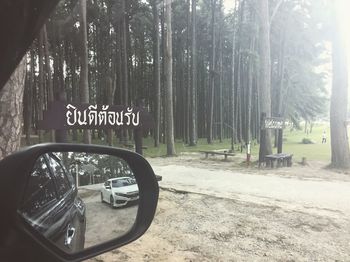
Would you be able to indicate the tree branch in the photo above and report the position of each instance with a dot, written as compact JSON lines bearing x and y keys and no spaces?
{"x":274,"y":12}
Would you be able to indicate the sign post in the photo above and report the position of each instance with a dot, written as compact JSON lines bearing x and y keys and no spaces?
{"x":271,"y":123}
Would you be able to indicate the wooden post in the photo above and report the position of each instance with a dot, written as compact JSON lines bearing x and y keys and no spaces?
{"x":280,"y":138}
{"x":262,"y":137}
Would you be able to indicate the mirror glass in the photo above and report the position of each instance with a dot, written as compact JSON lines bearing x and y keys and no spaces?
{"x":78,"y":200}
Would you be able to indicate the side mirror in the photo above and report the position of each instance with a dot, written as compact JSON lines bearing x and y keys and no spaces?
{"x":58,"y":204}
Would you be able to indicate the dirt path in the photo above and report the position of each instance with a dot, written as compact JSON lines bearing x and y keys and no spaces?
{"x":233,"y":214}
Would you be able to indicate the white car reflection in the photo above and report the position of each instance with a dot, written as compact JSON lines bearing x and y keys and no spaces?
{"x":119,"y":191}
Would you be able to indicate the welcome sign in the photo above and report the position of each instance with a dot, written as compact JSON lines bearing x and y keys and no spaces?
{"x":63,"y":116}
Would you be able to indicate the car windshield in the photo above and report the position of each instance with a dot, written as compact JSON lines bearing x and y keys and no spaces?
{"x":123,"y":182}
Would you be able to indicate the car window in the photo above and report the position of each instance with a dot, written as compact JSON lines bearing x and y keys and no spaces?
{"x":62,"y":182}
{"x":40,"y":190}
{"x":121,"y":182}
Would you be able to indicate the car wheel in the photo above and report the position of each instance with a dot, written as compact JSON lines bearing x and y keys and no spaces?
{"x":111,"y":201}
{"x":101,"y":197}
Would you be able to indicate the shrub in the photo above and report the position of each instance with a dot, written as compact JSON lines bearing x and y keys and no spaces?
{"x":307,"y":141}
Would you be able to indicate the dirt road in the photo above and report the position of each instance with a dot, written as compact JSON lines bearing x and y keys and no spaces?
{"x":211,"y":210}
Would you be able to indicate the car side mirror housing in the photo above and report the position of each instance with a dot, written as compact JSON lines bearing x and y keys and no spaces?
{"x":132,"y":198}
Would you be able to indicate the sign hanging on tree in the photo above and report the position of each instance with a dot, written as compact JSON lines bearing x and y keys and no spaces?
{"x":273,"y":123}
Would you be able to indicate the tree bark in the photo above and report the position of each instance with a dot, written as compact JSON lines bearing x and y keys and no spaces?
{"x":125,"y":63}
{"x":49,"y":76}
{"x":339,"y":100}
{"x":221,"y":72}
{"x":84,"y":85}
{"x":232,"y":90}
{"x":169,"y":88}
{"x":156,"y":70}
{"x":193,"y":123}
{"x":265,"y":74}
{"x":11,"y":111}
{"x":212,"y":75}
{"x":28,"y":99}
{"x":40,"y":103}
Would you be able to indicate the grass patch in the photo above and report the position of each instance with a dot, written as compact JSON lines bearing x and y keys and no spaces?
{"x":292,"y":143}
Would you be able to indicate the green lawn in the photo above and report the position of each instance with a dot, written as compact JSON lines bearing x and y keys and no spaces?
{"x":315,"y":151}
{"x":292,"y":144}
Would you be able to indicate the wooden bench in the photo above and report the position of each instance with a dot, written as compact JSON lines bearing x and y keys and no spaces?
{"x":281,"y":159}
{"x":224,"y":153}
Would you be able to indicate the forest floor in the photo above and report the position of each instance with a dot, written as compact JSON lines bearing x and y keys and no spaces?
{"x":214,"y":210}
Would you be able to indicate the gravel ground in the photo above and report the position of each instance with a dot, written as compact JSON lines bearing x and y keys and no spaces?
{"x":238,"y":214}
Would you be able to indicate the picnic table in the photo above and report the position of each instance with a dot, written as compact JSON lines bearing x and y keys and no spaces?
{"x":224,"y":153}
{"x":281,"y":159}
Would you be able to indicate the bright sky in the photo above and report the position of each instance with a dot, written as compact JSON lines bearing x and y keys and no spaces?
{"x":343,"y":7}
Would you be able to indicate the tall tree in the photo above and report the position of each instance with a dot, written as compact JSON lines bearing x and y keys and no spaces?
{"x":11,"y":109}
{"x":84,"y":82}
{"x":40,"y":103}
{"x":232,"y":89}
{"x":125,"y":62}
{"x":50,"y":95}
{"x":221,"y":72}
{"x":212,"y":73}
{"x":156,"y":69}
{"x":339,"y":97}
{"x":265,"y":74}
{"x":169,"y":79}
{"x":193,"y":122}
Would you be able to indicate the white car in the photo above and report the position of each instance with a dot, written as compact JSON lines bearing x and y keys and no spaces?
{"x":119,"y":191}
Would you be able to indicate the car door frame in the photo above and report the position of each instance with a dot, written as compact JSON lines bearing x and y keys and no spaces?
{"x":64,"y":205}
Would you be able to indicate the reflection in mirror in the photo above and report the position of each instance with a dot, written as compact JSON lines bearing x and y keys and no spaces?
{"x":78,"y":200}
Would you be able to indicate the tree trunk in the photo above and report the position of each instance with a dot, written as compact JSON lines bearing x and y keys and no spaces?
{"x":28,"y":99}
{"x":339,"y":99}
{"x":84,"y":85}
{"x":212,"y":75}
{"x":11,"y":111}
{"x":50,"y":95}
{"x":221,"y":72}
{"x":232,"y":89}
{"x":156,"y":68}
{"x":193,"y":122}
{"x":41,"y":83}
{"x":187,"y":93}
{"x":265,"y":74}
{"x":169,"y":88}
{"x":249,"y":93}
{"x":124,"y":56}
